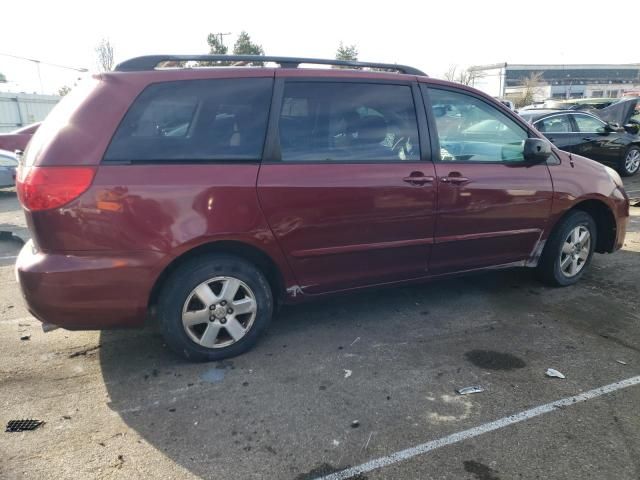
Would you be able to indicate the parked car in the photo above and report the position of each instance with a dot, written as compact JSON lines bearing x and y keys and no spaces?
{"x":589,"y":136}
{"x":18,"y":139}
{"x":587,"y":103}
{"x":211,"y":195}
{"x":8,"y":164}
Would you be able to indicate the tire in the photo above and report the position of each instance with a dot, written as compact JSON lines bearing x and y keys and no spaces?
{"x":630,"y":163}
{"x":554,"y":269}
{"x":196,"y":307}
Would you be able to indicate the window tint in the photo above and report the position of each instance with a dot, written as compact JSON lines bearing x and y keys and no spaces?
{"x":588,"y":124}
{"x":325,"y":121}
{"x":555,"y":124}
{"x":471,"y":130}
{"x":222,"y":119}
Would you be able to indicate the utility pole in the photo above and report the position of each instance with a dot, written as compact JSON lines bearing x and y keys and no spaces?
{"x":220,"y":35}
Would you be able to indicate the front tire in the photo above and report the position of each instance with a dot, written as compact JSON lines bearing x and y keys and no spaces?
{"x":214,"y":307}
{"x":569,"y":250}
{"x":630,"y":163}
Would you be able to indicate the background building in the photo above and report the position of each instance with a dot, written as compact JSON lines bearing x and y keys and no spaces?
{"x":556,"y":81}
{"x":20,"y":109}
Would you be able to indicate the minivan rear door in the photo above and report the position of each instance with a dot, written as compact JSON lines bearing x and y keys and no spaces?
{"x":346,"y":183}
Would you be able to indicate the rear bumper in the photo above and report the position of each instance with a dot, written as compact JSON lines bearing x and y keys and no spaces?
{"x":87,"y":291}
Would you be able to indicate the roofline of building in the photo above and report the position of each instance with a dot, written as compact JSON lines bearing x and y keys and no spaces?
{"x":565,"y":66}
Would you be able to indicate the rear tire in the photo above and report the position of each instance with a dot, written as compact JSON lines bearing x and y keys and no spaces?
{"x":569,"y":250}
{"x":214,"y":306}
{"x":630,"y":163}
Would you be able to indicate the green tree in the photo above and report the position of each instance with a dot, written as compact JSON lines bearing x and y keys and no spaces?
{"x":63,"y":90}
{"x":216,"y":47}
{"x":244,"y":46}
{"x":347,"y":52}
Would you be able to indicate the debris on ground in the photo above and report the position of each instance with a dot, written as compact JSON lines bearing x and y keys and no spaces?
{"x":355,"y":424}
{"x":25,"y":337}
{"x":23,"y":425}
{"x":66,"y":417}
{"x":366,"y":445}
{"x":551,"y":372}
{"x":470,"y":390}
{"x":84,"y":352}
{"x":621,"y":362}
{"x":355,"y":341}
{"x":347,"y":373}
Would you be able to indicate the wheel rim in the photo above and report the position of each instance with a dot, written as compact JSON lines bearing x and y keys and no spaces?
{"x":219,"y":312}
{"x":575,"y":251}
{"x":632,"y":162}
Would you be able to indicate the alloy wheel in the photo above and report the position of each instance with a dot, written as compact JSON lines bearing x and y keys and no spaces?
{"x":575,"y":251}
{"x":632,"y":161}
{"x":219,"y":312}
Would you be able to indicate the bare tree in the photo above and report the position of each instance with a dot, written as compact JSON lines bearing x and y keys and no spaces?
{"x":530,"y":88}
{"x":104,"y":52}
{"x":465,"y":77}
{"x":450,"y":74}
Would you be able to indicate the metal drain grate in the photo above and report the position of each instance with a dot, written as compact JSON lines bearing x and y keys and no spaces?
{"x":23,"y":425}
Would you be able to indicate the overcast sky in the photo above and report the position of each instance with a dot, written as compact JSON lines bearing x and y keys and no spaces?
{"x":428,"y":35}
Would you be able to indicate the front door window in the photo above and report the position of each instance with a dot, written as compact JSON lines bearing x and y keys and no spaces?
{"x":469,"y":130}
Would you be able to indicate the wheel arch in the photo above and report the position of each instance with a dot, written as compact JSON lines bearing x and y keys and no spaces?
{"x":605,"y":222}
{"x":248,"y":252}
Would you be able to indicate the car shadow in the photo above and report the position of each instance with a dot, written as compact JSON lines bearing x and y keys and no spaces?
{"x":278,"y":399}
{"x":270,"y":412}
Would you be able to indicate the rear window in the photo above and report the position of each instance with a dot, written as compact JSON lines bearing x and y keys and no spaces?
{"x":57,"y":119}
{"x":195,"y":120}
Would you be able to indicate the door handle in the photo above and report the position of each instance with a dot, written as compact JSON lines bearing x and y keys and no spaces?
{"x":455,"y":179}
{"x":418,"y":178}
{"x":588,"y":139}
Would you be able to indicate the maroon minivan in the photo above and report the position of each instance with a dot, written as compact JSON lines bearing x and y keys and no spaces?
{"x":211,"y":194}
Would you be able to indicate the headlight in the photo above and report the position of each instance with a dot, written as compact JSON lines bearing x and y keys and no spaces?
{"x":615,"y":177}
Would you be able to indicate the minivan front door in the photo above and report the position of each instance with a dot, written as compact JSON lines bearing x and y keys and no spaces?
{"x":492,"y":206}
{"x":347,"y":194}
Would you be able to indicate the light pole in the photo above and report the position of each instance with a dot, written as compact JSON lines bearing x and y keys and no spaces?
{"x":39,"y":62}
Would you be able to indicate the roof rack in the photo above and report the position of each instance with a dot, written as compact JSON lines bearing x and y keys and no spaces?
{"x":150,"y":62}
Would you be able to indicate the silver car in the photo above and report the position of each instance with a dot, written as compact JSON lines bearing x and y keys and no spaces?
{"x":8,"y":165}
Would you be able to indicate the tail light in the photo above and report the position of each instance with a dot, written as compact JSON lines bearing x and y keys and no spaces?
{"x":44,"y":188}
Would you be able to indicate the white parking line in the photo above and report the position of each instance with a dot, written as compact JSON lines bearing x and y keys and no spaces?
{"x":479,"y":430}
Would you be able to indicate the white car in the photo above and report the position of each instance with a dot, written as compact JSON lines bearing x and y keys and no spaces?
{"x":8,"y":165}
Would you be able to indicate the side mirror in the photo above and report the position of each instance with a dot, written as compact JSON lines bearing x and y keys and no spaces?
{"x":536,"y":150}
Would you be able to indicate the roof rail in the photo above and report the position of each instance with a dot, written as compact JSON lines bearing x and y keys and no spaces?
{"x":150,"y":62}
